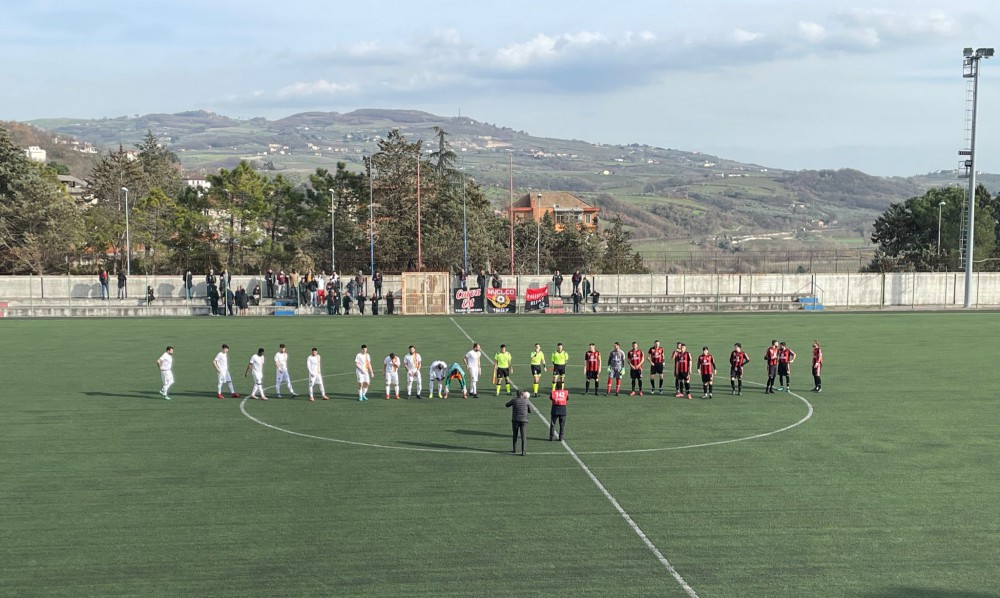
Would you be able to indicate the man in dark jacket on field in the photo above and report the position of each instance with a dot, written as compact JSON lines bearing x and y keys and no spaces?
{"x":519,"y":418}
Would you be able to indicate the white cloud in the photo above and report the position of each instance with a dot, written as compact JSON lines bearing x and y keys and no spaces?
{"x":320,"y":87}
{"x":812,"y":32}
{"x":742,"y":36}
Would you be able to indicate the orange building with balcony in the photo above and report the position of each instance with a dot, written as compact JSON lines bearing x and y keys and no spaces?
{"x":564,"y":209}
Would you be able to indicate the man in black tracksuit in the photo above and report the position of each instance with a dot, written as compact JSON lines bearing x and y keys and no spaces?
{"x":519,"y":417}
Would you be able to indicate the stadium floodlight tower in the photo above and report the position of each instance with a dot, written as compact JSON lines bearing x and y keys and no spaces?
{"x":970,"y":65}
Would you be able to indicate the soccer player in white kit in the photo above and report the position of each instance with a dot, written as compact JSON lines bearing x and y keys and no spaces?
{"x":391,"y":374}
{"x":257,"y":364}
{"x":281,"y":371}
{"x":166,"y":365}
{"x":363,"y":371}
{"x":315,"y":374}
{"x":472,"y":362}
{"x":438,"y":372}
{"x":413,"y":363}
{"x":221,"y":364}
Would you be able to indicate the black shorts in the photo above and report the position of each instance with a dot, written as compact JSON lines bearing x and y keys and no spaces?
{"x":782,"y":369}
{"x":503,"y":373}
{"x":559,"y":370}
{"x":682,"y":375}
{"x":772,"y":370}
{"x":536,"y":370}
{"x":592,"y":375}
{"x":635,"y":374}
{"x":706,"y":378}
{"x":656,"y":368}
{"x":736,"y":372}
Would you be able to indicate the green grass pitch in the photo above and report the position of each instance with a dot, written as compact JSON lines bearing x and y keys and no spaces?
{"x":889,"y":489}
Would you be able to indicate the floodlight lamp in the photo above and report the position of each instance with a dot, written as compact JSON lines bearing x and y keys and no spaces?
{"x":985,"y":52}
{"x":967,"y":52}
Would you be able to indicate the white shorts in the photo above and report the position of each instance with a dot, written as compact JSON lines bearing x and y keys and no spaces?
{"x":281,"y":376}
{"x":258,"y":380}
{"x":167,"y":377}
{"x":363,"y":377}
{"x":314,"y":380}
{"x":413,"y":375}
{"x":225,"y":377}
{"x":437,"y":377}
{"x":392,"y":378}
{"x":474,"y":376}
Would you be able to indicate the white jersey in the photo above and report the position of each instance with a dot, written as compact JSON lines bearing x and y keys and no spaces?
{"x":313,"y":365}
{"x":362,"y":362}
{"x":257,"y":365}
{"x":391,"y":365}
{"x":281,"y":361}
{"x":222,"y":362}
{"x":412,"y":362}
{"x":438,"y":370}
{"x":472,"y":361}
{"x":166,"y":362}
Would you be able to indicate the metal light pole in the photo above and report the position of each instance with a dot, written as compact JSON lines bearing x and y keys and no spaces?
{"x":940,"y":205}
{"x":128,"y":238}
{"x":333,"y":232}
{"x":538,"y":240}
{"x":971,"y":70}
{"x":465,"y":225}
{"x":371,"y":212}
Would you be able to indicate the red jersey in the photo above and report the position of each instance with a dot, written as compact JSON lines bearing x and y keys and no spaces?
{"x":817,"y":355}
{"x":738,"y":359}
{"x":592,"y":361}
{"x":706,"y":364}
{"x":635,"y":358}
{"x":559,"y":397}
{"x":682,"y":362}
{"x":656,"y":355}
{"x":771,"y":355}
{"x":785,"y":355}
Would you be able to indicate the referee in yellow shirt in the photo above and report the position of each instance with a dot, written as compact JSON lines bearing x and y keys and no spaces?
{"x":537,"y":362}
{"x":559,"y":360}
{"x":502,"y":368}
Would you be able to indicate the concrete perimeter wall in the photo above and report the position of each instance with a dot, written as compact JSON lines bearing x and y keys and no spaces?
{"x":920,"y":289}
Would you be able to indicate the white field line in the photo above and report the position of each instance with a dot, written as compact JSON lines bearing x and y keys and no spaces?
{"x":621,"y":511}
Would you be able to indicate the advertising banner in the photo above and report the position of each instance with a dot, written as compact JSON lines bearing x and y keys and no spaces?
{"x":536,"y":299}
{"x":469,"y":301}
{"x":501,"y":301}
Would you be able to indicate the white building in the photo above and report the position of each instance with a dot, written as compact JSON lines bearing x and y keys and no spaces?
{"x":35,"y":153}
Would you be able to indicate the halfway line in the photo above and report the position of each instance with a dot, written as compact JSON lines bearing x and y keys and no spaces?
{"x":621,"y":511}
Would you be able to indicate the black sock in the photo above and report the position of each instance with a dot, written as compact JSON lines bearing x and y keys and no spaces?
{"x":740,"y":388}
{"x":640,"y":384}
{"x":709,"y":389}
{"x":732,"y":383}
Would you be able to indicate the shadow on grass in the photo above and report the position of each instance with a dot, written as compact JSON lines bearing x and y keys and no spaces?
{"x":137,"y":394}
{"x":481,"y":433}
{"x":902,"y":592}
{"x":452,"y":447}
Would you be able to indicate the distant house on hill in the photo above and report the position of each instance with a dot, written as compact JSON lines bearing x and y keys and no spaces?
{"x":35,"y":154}
{"x":564,"y":208}
{"x":78,"y":189}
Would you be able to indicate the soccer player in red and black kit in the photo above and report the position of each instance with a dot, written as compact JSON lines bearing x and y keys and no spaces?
{"x":706,"y":365}
{"x":786,"y":357}
{"x":678,"y":389}
{"x":591,"y":368}
{"x":655,"y":366}
{"x":737,"y":359}
{"x":817,"y":367}
{"x":635,"y":360}
{"x":771,"y":361}
{"x":682,"y":371}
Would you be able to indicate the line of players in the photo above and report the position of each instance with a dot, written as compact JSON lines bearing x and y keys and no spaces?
{"x":778,"y":358}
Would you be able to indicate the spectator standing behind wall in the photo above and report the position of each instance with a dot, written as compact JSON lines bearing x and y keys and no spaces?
{"x":585,"y":286}
{"x":377,"y":281}
{"x":390,"y":304}
{"x":122,"y":288}
{"x":557,"y":280}
{"x":188,"y":285}
{"x":577,"y":278}
{"x":102,"y":277}
{"x":269,"y":283}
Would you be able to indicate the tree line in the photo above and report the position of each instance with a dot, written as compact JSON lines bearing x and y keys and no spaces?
{"x":247,"y":221}
{"x":907,"y":233}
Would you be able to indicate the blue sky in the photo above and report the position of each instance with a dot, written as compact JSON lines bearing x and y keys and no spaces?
{"x":871,"y":85}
